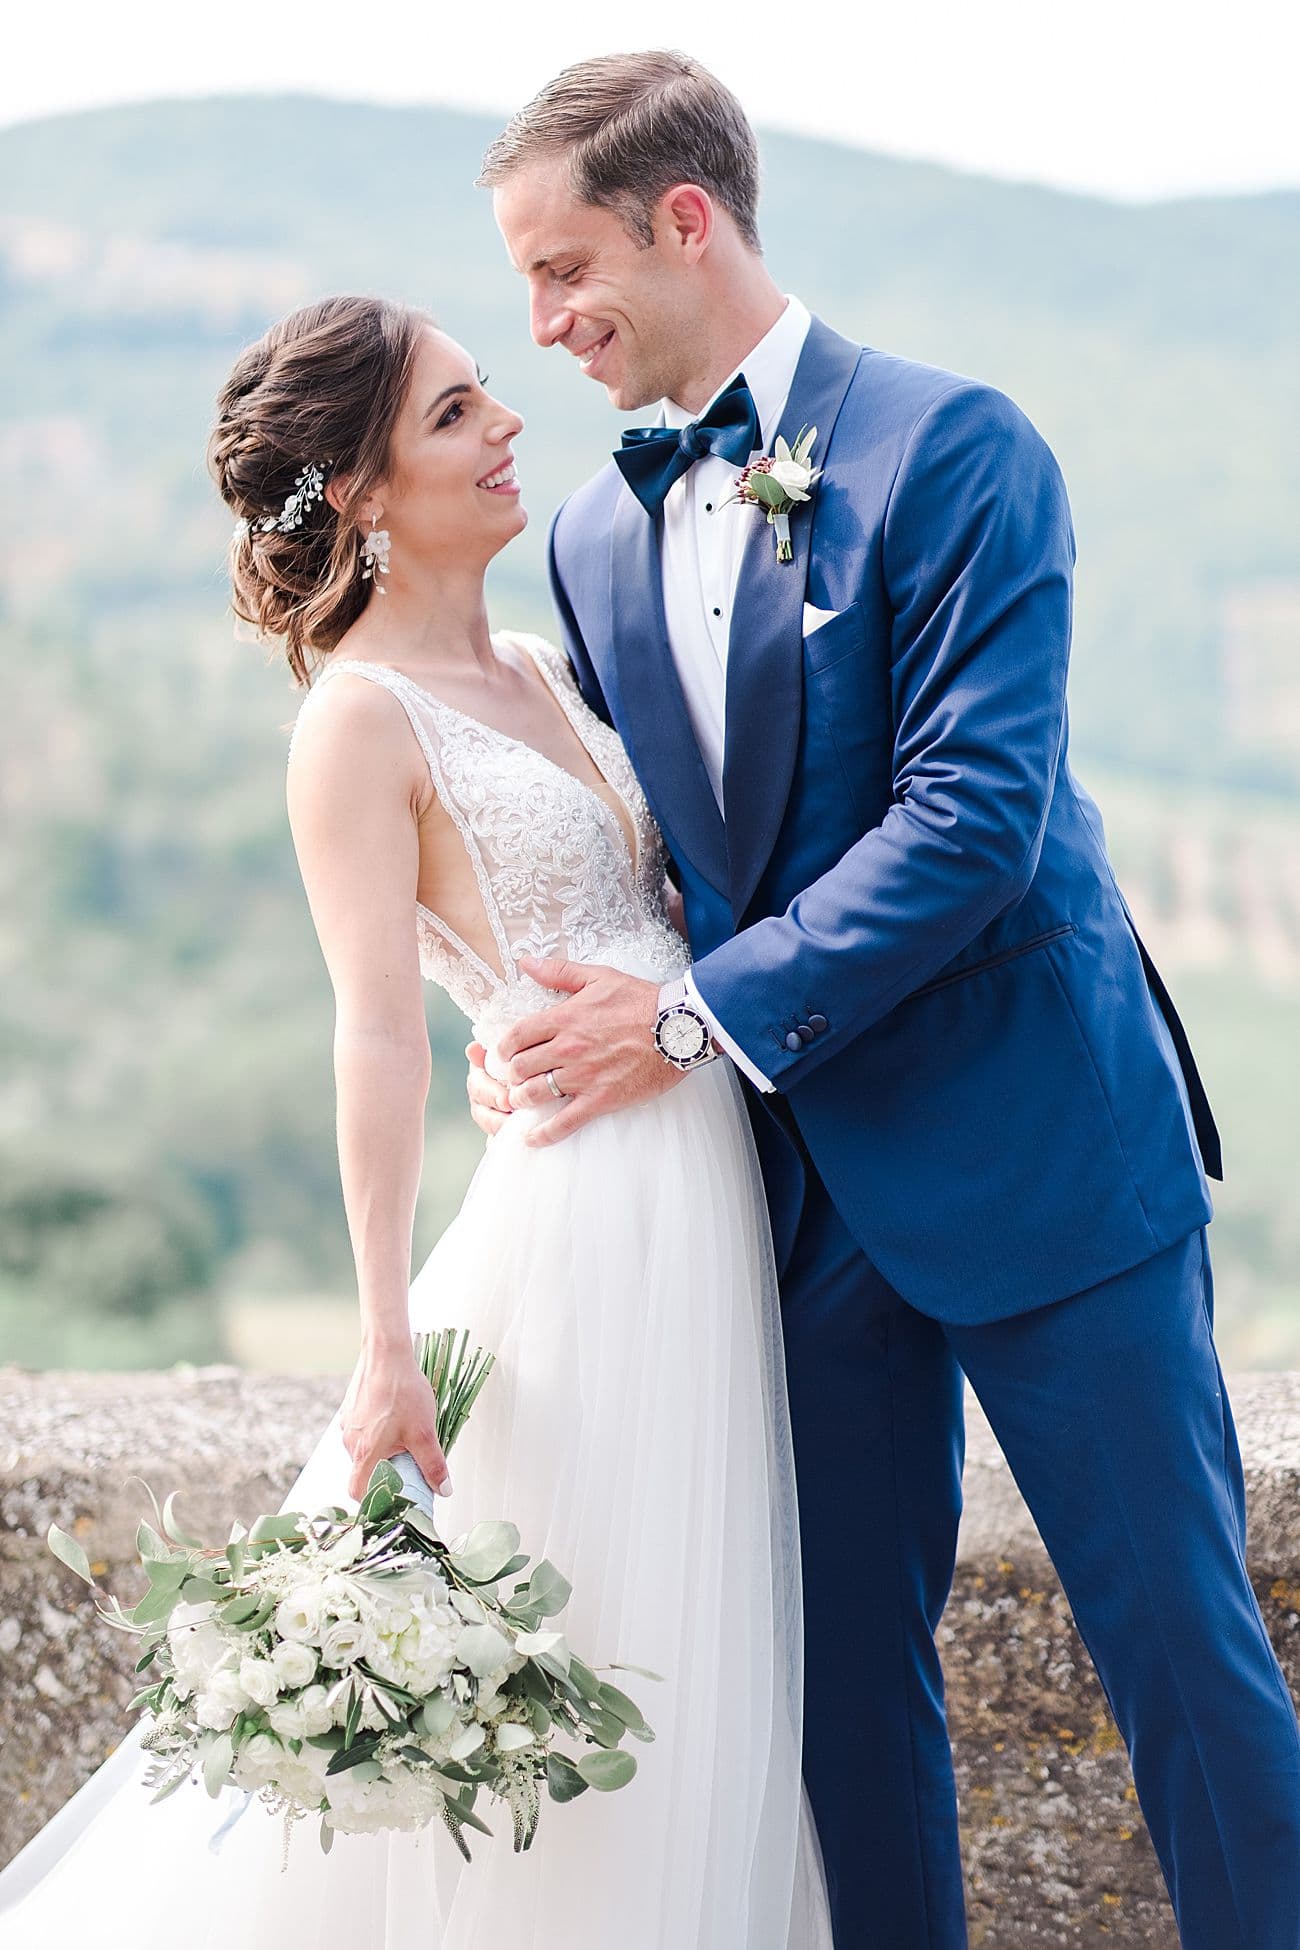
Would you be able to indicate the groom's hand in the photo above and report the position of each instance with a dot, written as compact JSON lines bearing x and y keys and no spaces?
{"x":599,"y":1044}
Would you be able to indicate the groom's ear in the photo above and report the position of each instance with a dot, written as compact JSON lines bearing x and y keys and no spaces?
{"x":685,"y":220}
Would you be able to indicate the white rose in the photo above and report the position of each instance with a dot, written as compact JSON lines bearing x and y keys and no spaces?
{"x":258,"y":1761}
{"x":294,"y":1662}
{"x":343,"y":1642}
{"x":220,"y":1701}
{"x":301,"y":1718}
{"x":197,"y":1649}
{"x":793,"y":476}
{"x":260,"y":1680}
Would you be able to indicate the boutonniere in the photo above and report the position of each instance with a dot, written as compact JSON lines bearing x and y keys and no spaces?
{"x":777,"y":483}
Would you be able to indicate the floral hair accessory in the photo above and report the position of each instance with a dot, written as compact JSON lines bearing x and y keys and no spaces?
{"x":308,"y":487}
{"x":777,"y":483}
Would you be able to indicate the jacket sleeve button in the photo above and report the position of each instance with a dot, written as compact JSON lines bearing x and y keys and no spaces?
{"x":817,"y":1024}
{"x":794,"y":1041}
{"x":805,"y":1032}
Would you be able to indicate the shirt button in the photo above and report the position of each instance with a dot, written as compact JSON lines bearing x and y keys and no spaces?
{"x":717,"y":612}
{"x":708,"y":507}
{"x":817,"y":1024}
{"x":794,"y":1042}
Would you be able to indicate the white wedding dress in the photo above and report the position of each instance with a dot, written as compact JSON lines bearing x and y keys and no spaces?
{"x":634,"y":1428}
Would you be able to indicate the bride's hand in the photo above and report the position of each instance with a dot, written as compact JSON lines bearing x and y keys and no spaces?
{"x":389,"y":1406}
{"x":489,"y":1101}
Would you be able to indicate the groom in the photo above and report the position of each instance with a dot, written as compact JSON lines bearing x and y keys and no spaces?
{"x":983,"y":1136}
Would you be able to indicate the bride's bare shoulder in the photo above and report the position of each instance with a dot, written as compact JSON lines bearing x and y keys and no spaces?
{"x":350,"y":718}
{"x":526,"y":645}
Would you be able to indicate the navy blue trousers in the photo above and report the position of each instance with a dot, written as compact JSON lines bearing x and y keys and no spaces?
{"x":1112,"y":1412}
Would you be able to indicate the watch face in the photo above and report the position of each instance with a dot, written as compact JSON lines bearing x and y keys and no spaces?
{"x":682,"y":1036}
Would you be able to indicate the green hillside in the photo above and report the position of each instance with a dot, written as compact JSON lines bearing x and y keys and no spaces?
{"x":165,"y":1096}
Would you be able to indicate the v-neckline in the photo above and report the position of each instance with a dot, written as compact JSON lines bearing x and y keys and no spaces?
{"x":632,"y":850}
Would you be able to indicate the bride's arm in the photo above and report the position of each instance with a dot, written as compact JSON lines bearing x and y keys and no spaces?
{"x":353,"y":795}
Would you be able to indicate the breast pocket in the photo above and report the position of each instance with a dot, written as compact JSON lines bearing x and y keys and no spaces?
{"x":848,"y":711}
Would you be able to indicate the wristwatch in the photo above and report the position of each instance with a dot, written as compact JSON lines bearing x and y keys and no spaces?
{"x":682,"y":1036}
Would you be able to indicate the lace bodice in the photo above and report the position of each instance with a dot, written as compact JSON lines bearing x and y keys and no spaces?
{"x":549,"y":855}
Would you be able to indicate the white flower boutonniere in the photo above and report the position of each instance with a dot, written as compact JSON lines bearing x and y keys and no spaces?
{"x":777,"y":483}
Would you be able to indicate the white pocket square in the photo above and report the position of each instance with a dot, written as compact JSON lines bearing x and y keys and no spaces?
{"x":813,"y":618}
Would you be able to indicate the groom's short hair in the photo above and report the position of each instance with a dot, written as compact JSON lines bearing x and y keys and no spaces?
{"x":632,"y":125}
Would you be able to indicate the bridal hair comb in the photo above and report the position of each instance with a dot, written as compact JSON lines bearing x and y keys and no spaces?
{"x":308,"y":487}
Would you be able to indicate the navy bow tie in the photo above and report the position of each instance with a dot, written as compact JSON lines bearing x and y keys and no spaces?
{"x":652,"y":458}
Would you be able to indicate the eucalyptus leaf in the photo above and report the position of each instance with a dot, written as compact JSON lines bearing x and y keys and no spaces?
{"x":643,"y":1672}
{"x":540,"y":1718}
{"x":216,"y":1764}
{"x":765,"y":489}
{"x":149,"y":1543}
{"x":173,"y":1528}
{"x":277,"y":1528}
{"x":366,"y":1770}
{"x":435,"y":1716}
{"x":607,"y":1771}
{"x":326,"y":1836}
{"x":563,"y":1781}
{"x":488,"y":1548}
{"x":69,"y":1552}
{"x":159,"y":1601}
{"x":236,"y":1610}
{"x":621,"y":1706}
{"x":195,"y":1589}
{"x":548,"y":1589}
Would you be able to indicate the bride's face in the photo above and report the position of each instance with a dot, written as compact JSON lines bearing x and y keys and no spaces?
{"x":450,"y":490}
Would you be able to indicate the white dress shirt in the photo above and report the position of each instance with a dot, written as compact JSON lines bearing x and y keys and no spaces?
{"x":700,"y":564}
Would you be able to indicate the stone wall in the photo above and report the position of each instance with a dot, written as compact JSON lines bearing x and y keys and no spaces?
{"x":1056,"y":1849}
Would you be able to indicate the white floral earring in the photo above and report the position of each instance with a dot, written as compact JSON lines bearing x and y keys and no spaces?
{"x":374,"y":556}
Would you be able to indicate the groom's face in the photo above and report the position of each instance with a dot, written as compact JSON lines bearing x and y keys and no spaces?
{"x":623,"y":309}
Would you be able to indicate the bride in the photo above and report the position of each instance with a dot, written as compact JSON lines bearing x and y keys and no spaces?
{"x":455,"y":806}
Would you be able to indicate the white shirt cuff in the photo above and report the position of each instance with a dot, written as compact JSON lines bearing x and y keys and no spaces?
{"x":684,"y":990}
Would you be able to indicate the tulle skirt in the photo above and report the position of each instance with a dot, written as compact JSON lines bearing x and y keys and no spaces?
{"x":635,"y":1429}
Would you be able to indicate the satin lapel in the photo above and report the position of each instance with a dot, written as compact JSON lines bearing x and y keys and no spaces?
{"x":658,"y":729}
{"x":765,"y":644}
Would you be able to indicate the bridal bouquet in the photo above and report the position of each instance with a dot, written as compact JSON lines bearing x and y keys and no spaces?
{"x":357,"y":1667}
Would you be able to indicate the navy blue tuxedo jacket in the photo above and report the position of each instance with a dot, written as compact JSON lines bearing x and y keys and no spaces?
{"x":997,"y":1090}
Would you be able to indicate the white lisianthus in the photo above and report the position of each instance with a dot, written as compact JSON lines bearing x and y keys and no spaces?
{"x":260,"y":1680}
{"x":343,"y":1642}
{"x":301,"y":1614}
{"x":511,"y":1737}
{"x":294,"y":1662}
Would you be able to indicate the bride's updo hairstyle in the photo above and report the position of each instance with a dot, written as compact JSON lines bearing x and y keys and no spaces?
{"x":323,"y":387}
